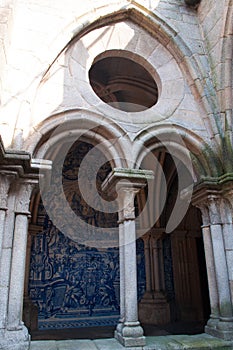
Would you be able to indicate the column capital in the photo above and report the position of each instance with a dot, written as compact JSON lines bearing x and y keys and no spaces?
{"x":146,"y":239}
{"x":126,"y":183}
{"x":157,"y":232}
{"x":126,"y":206}
{"x":24,"y":190}
{"x":209,"y":199}
{"x":6,"y":178}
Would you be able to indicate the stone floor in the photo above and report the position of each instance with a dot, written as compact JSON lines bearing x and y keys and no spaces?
{"x":168,"y":342}
{"x":166,"y":337}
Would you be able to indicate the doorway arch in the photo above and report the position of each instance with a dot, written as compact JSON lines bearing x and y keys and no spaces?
{"x":177,"y":295}
{"x":71,"y":285}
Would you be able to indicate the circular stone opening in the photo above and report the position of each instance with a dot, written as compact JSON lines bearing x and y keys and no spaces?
{"x":123,"y":84}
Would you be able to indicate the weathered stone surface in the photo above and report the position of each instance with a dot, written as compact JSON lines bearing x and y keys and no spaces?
{"x":46,"y":50}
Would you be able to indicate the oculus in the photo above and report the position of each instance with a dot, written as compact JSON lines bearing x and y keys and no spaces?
{"x":123,"y":83}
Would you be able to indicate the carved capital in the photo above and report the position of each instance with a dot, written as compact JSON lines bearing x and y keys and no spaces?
{"x":127,"y":183}
{"x":24,"y":190}
{"x":205,"y":213}
{"x":146,"y":239}
{"x":6,"y":179}
{"x":214,"y":209}
{"x":209,"y":201}
{"x":126,"y":197}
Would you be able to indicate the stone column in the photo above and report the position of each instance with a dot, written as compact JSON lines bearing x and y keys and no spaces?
{"x":5,"y":181}
{"x":122,"y":278}
{"x":16,"y":292}
{"x":30,"y":310}
{"x":155,"y":254}
{"x":16,"y":334}
{"x":225,"y":326}
{"x":128,"y":183}
{"x":227,"y":214}
{"x":154,"y":307}
{"x":161,"y":259}
{"x":146,"y":240}
{"x":216,"y":237}
{"x":131,"y":333}
{"x":210,"y":267}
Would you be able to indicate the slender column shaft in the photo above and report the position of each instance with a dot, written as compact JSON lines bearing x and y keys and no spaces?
{"x":156,"y":264}
{"x":160,"y":243}
{"x":16,"y":289}
{"x":211,"y":275}
{"x":5,"y":257}
{"x":2,"y":222}
{"x":5,"y":180}
{"x":17,"y":272}
{"x":27,"y":265}
{"x":122,"y":271}
{"x":228,"y":241}
{"x":131,"y":304}
{"x":146,"y":240}
{"x":221,"y":272}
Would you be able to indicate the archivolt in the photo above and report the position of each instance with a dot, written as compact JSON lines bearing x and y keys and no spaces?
{"x":181,"y":143}
{"x":79,"y":125}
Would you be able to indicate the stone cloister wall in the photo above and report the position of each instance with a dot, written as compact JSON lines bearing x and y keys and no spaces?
{"x":46,"y":51}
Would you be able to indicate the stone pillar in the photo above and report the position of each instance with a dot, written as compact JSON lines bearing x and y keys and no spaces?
{"x":227,"y":214}
{"x":5,"y":184}
{"x":224,"y":328}
{"x":131,"y":332}
{"x":154,"y":307}
{"x":122,"y":278}
{"x":30,"y":310}
{"x":214,"y":230}
{"x":16,"y":334}
{"x":210,"y":267}
{"x":19,"y":257}
{"x":146,"y":239}
{"x":155,"y":255}
{"x":128,"y":183}
{"x":5,"y":181}
{"x":161,"y":259}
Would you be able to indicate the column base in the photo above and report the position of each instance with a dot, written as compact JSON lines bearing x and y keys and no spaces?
{"x":220,"y":329}
{"x":15,"y":339}
{"x":154,"y":309}
{"x":130,"y":334}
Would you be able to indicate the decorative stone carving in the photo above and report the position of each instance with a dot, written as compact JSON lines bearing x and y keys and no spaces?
{"x":5,"y":180}
{"x":126,"y":203}
{"x":24,"y":194}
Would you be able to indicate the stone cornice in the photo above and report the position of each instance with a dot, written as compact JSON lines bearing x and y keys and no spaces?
{"x":20,"y":163}
{"x":137,"y":178}
{"x":212,"y":187}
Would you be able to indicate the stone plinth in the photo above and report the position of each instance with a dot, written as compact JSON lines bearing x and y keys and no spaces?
{"x":15,"y":340}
